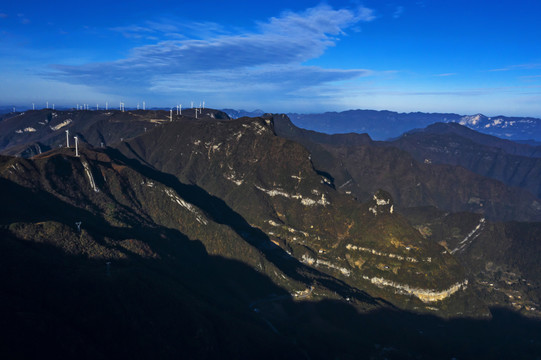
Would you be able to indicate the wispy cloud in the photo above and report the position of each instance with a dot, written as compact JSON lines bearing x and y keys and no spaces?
{"x":398,"y":12}
{"x":273,"y":55}
{"x":531,"y":66}
{"x":23,"y":19}
{"x":530,"y":77}
{"x":446,"y":74}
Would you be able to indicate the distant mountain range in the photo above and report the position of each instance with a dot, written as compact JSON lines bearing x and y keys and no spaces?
{"x":383,"y":125}
{"x":213,"y":237}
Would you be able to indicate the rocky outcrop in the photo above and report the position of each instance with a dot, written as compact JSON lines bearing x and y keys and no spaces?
{"x":425,"y":295}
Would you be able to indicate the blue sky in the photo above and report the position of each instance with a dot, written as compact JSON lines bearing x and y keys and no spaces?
{"x":281,"y":56}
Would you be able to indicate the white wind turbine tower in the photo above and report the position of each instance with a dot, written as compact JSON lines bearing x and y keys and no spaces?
{"x":192,"y":105}
{"x":97,"y":108}
{"x":33,"y":106}
{"x":106,"y":106}
{"x":47,"y":105}
{"x":143,"y":105}
{"x":170,"y":114}
{"x":76,"y":147}
{"x":67,"y":138}
{"x":203,"y":105}
{"x":53,"y":106}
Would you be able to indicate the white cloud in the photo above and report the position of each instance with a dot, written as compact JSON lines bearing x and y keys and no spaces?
{"x":273,"y":55}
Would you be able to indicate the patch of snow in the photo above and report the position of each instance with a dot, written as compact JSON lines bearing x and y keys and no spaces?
{"x":470,"y":237}
{"x":232,"y":176}
{"x":260,"y":129}
{"x":324,"y":180}
{"x":308,"y":202}
{"x":316,"y":262}
{"x":346,"y":183}
{"x":273,"y":223}
{"x":186,"y":205}
{"x":61,"y":125}
{"x":381,"y":202}
{"x":352,"y":247}
{"x":323,"y":201}
{"x":470,"y":120}
{"x":89,"y":175}
{"x":148,"y":183}
{"x":425,"y":295}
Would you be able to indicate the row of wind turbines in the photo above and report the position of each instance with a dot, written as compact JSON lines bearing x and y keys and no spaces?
{"x":122,"y":107}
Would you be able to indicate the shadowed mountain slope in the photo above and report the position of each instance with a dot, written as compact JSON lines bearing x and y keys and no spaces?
{"x":514,"y":164}
{"x":271,"y":182}
{"x":241,"y":249}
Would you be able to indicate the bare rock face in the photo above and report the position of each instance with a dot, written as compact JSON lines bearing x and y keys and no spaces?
{"x":382,"y":203}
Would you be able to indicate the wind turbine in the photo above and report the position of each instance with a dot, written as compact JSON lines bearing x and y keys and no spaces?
{"x":143,"y":105}
{"x":67,"y":138}
{"x":170,"y":114}
{"x":33,"y":107}
{"x":106,"y":105}
{"x":76,"y":147}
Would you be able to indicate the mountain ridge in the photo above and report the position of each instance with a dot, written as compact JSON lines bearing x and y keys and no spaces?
{"x":235,"y":233}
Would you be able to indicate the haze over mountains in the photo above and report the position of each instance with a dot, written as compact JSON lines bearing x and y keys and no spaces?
{"x":220,"y":237}
{"x":384,"y":125}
